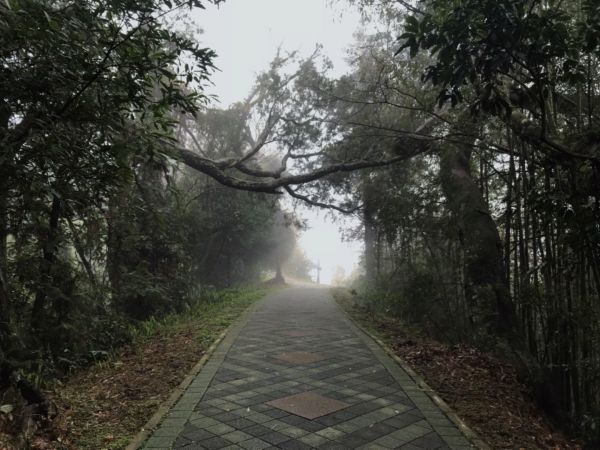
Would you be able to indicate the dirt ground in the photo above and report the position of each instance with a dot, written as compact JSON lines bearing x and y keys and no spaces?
{"x":103,"y":407}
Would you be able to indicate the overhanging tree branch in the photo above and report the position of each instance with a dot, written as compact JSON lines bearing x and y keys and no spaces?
{"x":273,"y":185}
{"x":318,"y":204}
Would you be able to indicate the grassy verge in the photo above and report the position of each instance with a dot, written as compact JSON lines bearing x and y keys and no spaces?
{"x":484,"y":392}
{"x":104,"y":406}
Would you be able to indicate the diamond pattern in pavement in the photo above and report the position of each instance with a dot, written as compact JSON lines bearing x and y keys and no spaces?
{"x":342,"y":392}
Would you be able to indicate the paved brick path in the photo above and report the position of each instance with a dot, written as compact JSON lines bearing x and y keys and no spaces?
{"x":298,"y":375}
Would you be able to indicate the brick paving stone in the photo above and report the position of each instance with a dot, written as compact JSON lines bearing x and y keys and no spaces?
{"x":215,"y":443}
{"x":193,"y":434}
{"x":298,"y":345}
{"x":159,"y":442}
{"x":429,"y":441}
{"x":352,"y":440}
{"x":332,"y":446}
{"x":294,"y":432}
{"x":254,"y":444}
{"x":237,"y":436}
{"x":257,"y":430}
{"x":314,"y":440}
{"x":168,"y":431}
{"x":294,"y":445}
{"x":275,"y":437}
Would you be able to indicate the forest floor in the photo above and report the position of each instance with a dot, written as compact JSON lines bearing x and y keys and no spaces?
{"x":105,"y":405}
{"x":484,"y":392}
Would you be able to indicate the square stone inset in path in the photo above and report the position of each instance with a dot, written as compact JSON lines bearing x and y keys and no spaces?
{"x":299,"y":357}
{"x":308,"y":405}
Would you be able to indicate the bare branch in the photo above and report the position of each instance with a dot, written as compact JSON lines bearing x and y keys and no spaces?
{"x":306,"y":155}
{"x":262,"y":139}
{"x":318,"y":204}
{"x":192,"y":135}
{"x":259,"y":173}
{"x":410,"y":7}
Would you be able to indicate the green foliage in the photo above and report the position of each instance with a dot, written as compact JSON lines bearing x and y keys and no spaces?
{"x":85,"y":92}
{"x":413,"y":256}
{"x":99,"y":227}
{"x":416,"y":297}
{"x":480,"y":43}
{"x":218,"y":306}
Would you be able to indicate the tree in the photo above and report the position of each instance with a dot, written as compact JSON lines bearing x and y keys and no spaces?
{"x":282,"y":241}
{"x":339,"y":276}
{"x":298,"y":266}
{"x":79,"y":95}
{"x":85,"y":91}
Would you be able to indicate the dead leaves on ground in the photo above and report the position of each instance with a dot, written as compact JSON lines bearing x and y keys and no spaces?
{"x":122,"y":394}
{"x":484,"y":392}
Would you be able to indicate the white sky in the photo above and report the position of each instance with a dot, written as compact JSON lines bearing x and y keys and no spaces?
{"x":246,"y":34}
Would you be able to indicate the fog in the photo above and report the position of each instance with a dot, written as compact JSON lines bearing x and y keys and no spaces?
{"x":246,"y":35}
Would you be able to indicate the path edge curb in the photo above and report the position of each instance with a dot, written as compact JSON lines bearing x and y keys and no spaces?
{"x":469,"y":433}
{"x":152,"y":424}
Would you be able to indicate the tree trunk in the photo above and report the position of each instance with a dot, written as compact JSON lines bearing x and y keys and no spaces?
{"x":81,"y":252}
{"x":4,"y":300}
{"x":4,"y":316}
{"x":114,"y":244}
{"x":278,"y":274}
{"x":370,"y":237}
{"x":490,"y":308}
{"x":4,"y":190}
{"x":46,"y":266}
